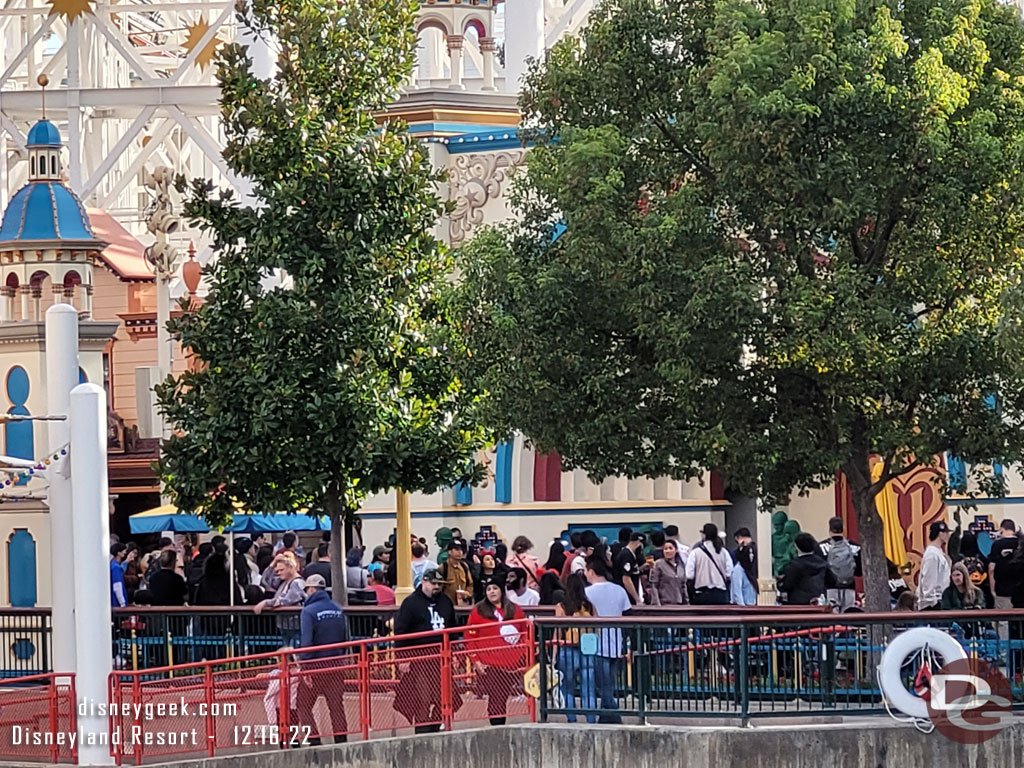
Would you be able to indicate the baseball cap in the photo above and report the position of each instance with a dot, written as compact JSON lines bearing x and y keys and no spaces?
{"x":936,"y":528}
{"x":375,"y":568}
{"x":433,"y":575}
{"x":457,"y":544}
{"x":317,"y":581}
{"x":637,"y":536}
{"x":380,"y":549}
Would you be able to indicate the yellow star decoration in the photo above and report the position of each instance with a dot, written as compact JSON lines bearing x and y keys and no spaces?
{"x":70,"y":9}
{"x":195,"y":35}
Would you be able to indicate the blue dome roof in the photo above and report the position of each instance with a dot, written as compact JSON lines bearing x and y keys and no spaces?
{"x":43,"y":134}
{"x":45,"y":210}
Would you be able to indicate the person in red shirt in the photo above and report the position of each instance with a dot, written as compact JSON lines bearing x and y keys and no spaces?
{"x":496,"y":636}
{"x":378,"y":585}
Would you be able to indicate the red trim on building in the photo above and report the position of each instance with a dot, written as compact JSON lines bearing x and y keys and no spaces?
{"x":547,"y":477}
{"x":717,"y":487}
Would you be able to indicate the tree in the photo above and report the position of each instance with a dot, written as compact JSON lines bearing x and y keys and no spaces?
{"x":342,"y":383}
{"x":772,"y":238}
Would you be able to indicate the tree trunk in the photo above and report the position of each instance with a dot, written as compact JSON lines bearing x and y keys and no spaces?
{"x":336,"y":511}
{"x":871,"y":533}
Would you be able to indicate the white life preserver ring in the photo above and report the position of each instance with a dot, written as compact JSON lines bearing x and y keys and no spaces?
{"x":907,"y":644}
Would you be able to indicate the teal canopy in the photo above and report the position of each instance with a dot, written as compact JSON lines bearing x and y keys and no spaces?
{"x":179,"y":522}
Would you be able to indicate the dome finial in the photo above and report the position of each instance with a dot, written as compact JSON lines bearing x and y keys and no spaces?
{"x":43,"y":81}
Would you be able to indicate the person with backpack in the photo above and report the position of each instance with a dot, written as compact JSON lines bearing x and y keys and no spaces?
{"x":802,"y":581}
{"x":843,"y":559}
{"x":459,"y":584}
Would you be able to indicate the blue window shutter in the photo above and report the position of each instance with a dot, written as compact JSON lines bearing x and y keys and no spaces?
{"x":18,"y":439}
{"x":503,"y":473}
{"x":992,"y":403}
{"x":21,"y":568}
{"x":957,"y":473}
{"x":464,"y":492}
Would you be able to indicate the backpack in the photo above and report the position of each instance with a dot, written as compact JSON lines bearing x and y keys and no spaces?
{"x":841,"y":563}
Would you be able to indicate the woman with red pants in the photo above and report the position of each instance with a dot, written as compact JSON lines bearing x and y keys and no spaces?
{"x":496,"y":634}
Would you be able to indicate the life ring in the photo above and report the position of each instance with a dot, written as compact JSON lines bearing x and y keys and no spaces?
{"x":904,"y":645}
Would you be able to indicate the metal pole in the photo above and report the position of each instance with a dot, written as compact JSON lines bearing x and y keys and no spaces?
{"x":231,"y":564}
{"x":91,"y":535}
{"x":403,"y":551}
{"x":743,"y":677}
{"x":765,"y":579}
{"x":61,"y":377}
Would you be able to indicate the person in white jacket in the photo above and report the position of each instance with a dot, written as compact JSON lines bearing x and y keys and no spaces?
{"x":935,"y":568}
{"x":709,"y":566}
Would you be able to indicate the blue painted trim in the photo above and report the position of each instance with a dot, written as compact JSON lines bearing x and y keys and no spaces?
{"x":488,"y":141}
{"x":559,"y":511}
{"x":462,"y":129}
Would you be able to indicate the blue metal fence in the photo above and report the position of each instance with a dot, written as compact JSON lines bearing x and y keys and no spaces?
{"x":742,"y":667}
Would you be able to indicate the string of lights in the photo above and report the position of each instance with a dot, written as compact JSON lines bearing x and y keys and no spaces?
{"x":20,"y":474}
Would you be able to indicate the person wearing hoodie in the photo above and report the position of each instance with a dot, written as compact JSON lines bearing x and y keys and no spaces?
{"x":355,"y":574}
{"x":323,"y":623}
{"x":802,"y":581}
{"x":418,"y":694}
{"x":496,"y":635}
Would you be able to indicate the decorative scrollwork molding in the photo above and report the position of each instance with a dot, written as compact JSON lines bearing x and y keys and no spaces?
{"x":477,"y":179}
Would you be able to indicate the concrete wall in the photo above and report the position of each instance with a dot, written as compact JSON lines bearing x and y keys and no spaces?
{"x":880,"y":744}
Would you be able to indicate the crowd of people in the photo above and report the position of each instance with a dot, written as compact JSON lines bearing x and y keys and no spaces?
{"x":654,"y":568}
{"x":582,"y":577}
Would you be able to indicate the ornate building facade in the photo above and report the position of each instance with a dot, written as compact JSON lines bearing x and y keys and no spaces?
{"x":134,"y":89}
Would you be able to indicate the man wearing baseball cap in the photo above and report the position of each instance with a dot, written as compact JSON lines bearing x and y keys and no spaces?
{"x":428,"y":609}
{"x":323,"y":623}
{"x":935,"y":568}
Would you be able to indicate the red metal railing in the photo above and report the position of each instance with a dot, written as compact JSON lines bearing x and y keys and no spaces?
{"x":38,"y":721}
{"x":360,"y":689}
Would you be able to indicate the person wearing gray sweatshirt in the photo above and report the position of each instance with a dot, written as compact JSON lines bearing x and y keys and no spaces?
{"x":290,"y":592}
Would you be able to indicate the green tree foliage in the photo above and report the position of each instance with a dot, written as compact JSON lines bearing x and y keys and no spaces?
{"x":792,"y":241}
{"x":340,"y":384}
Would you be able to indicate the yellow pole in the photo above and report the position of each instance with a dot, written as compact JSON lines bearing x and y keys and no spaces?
{"x":403,"y":552}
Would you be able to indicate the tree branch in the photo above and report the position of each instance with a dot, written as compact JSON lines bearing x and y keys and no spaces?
{"x":683,"y":149}
{"x":876,"y":258}
{"x":858,"y":250}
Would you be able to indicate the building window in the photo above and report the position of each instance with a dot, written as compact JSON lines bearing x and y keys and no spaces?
{"x":21,"y":569}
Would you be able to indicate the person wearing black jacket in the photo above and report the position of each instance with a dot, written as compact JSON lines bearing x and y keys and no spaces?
{"x":214,"y":589}
{"x":802,"y":581}
{"x":167,"y":586}
{"x":428,"y":609}
{"x":323,"y":623}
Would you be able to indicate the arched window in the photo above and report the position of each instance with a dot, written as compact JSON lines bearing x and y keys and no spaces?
{"x":32,"y":163}
{"x":21,"y":569}
{"x":18,"y":438}
{"x":53,"y":165}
